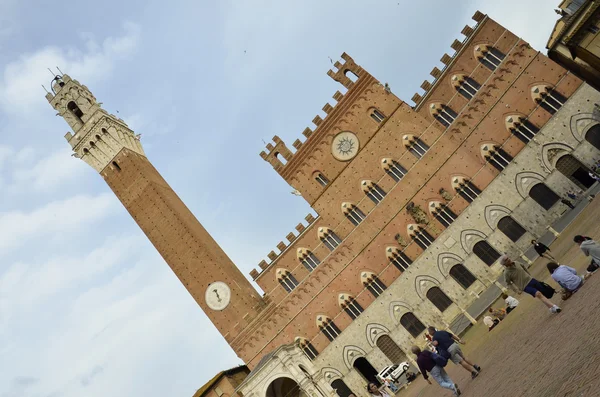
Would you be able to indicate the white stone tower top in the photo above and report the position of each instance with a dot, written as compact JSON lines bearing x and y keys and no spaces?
{"x":98,"y":136}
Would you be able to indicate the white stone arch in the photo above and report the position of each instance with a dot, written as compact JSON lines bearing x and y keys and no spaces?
{"x":470,"y":237}
{"x":423,"y":283}
{"x":581,"y":123}
{"x":374,"y":331}
{"x":351,"y":353}
{"x":524,"y":181}
{"x":493,"y":213}
{"x":330,"y":374}
{"x":274,"y":376}
{"x":445,"y":262}
{"x":398,"y":309}
{"x":551,"y":152}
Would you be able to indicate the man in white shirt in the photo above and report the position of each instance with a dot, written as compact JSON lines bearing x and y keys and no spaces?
{"x":490,"y":322}
{"x":511,"y":303}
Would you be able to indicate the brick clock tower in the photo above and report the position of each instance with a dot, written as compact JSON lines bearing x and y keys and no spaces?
{"x":108,"y":145}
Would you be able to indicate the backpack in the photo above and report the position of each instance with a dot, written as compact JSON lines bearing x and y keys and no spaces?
{"x":439,"y":360}
{"x":547,"y":290}
{"x":444,"y":353}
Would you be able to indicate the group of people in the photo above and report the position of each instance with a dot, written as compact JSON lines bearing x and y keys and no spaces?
{"x":448,"y":349}
{"x":444,"y":346}
{"x":497,"y":315}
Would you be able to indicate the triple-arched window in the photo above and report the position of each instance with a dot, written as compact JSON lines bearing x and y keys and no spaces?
{"x":496,"y":156}
{"x":465,"y":188}
{"x":329,"y":238}
{"x":373,"y":283}
{"x":398,"y":258}
{"x":353,"y":213}
{"x":415,"y":145}
{"x":442,"y":113}
{"x":307,"y":348}
{"x":548,"y":98}
{"x":350,"y":305}
{"x":393,"y":169}
{"x":465,"y":85}
{"x":308,"y":259}
{"x":521,"y":127}
{"x":489,"y":56}
{"x":373,"y":191}
{"x":286,"y":279}
{"x":328,"y":327}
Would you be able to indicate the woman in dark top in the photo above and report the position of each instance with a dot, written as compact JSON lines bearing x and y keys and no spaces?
{"x":542,"y":250}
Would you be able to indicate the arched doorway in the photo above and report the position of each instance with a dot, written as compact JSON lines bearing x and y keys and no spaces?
{"x":439,"y":298}
{"x":462,"y":275}
{"x":284,"y":387}
{"x":593,"y":136}
{"x":341,"y":388}
{"x":364,"y":367}
{"x":390,"y":349}
{"x":543,"y":195}
{"x":511,"y":228}
{"x":577,"y":173}
{"x":412,"y":324}
{"x":486,"y":252}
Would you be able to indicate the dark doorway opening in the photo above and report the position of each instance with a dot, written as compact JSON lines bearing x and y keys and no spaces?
{"x":364,"y":367}
{"x":341,"y":388}
{"x":543,"y":195}
{"x":284,"y":387}
{"x":593,"y":136}
{"x":577,"y":173}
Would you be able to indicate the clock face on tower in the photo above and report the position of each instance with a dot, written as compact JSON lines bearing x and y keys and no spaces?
{"x":217,"y":295}
{"x":344,"y":146}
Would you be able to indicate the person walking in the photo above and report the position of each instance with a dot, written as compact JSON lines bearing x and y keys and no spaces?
{"x":434,"y":364}
{"x":511,"y":303}
{"x":567,"y":203}
{"x":542,"y":250}
{"x":519,"y":280}
{"x":447,"y":345}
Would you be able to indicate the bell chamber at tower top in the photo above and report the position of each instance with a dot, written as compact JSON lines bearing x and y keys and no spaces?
{"x":97,"y":136}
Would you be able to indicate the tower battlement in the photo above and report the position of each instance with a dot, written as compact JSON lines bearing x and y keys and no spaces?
{"x":347,"y":73}
{"x":448,"y":60}
{"x":282,"y":247}
{"x":97,"y":136}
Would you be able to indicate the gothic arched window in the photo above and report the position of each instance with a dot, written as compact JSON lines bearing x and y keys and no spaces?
{"x":72,"y":106}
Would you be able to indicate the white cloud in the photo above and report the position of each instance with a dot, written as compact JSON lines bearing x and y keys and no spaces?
{"x":20,"y":87}
{"x":47,"y":173}
{"x":63,"y":217}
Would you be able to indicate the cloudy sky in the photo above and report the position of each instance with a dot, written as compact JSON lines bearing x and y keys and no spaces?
{"x":87,"y":306}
